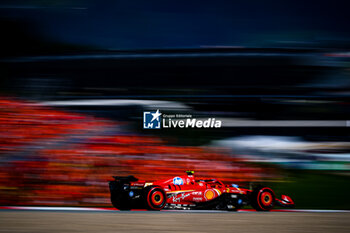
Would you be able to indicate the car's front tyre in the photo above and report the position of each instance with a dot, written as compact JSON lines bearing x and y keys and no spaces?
{"x":263,"y":199}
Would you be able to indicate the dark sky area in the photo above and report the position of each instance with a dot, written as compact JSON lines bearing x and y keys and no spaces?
{"x":134,"y":24}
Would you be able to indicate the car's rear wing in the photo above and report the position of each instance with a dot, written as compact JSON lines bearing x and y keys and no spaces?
{"x":125,"y":178}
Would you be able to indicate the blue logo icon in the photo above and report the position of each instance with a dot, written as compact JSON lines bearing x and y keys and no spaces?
{"x":178,"y":181}
{"x":151,"y":120}
{"x":131,"y":194}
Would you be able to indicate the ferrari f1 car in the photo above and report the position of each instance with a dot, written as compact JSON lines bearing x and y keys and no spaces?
{"x":186,"y":192}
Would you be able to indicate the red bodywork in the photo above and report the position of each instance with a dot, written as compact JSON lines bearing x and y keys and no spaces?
{"x":186,"y":190}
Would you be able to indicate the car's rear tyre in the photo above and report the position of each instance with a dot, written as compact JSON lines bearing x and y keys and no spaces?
{"x":120,"y":203}
{"x":155,"y":198}
{"x":118,"y":200}
{"x":263,"y":199}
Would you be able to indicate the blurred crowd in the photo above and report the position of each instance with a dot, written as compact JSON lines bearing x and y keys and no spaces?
{"x":56,"y":157}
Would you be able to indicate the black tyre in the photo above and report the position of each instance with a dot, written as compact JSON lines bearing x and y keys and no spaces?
{"x":119,"y":200}
{"x":155,"y":198}
{"x":263,"y":199}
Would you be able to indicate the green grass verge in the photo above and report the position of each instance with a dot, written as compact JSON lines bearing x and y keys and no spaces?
{"x":315,"y":190}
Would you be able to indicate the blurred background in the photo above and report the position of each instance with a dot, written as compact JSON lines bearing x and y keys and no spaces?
{"x":76,"y":76}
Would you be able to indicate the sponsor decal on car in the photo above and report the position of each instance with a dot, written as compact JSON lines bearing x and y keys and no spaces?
{"x":148,"y":184}
{"x":209,"y":194}
{"x":180,"y":197}
{"x":178,"y":181}
{"x":198,"y":193}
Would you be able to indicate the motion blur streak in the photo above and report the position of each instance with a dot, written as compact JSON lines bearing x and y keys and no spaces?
{"x":76,"y":77}
{"x":51,"y":157}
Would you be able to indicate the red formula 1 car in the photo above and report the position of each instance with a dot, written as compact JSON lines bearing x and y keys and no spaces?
{"x":186,"y":192}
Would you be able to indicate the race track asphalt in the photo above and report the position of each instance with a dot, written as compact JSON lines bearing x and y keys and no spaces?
{"x":148,"y":221}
